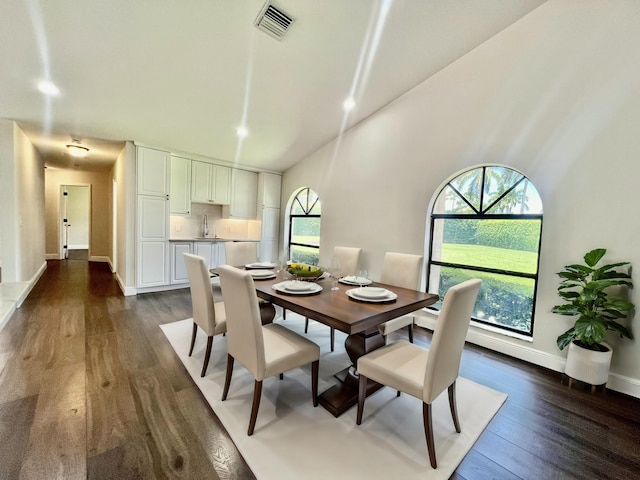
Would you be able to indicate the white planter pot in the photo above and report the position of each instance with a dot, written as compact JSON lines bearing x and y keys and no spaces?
{"x":587,"y":365}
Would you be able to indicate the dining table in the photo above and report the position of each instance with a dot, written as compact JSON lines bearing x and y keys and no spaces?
{"x":359,"y":319}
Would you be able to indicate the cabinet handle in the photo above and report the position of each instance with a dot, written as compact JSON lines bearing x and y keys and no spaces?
{"x":167,"y":196}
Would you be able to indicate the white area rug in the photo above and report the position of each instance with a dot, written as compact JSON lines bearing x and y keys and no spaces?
{"x":293,"y":440}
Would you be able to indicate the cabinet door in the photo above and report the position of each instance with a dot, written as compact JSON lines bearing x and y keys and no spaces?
{"x":153,"y":261}
{"x":269,"y":190}
{"x":222,"y":185}
{"x":269,"y":237}
{"x":205,"y":250}
{"x":153,"y":172}
{"x":178,"y":267}
{"x":201,"y":179}
{"x":220,"y":254}
{"x":180,"y":199}
{"x":153,"y":218}
{"x":244,"y":194}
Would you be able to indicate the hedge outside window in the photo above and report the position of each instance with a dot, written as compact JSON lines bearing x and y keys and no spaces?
{"x":304,"y":227}
{"x":486,"y":223}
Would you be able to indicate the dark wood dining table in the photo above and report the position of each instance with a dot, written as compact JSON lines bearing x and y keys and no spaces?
{"x":359,"y":320}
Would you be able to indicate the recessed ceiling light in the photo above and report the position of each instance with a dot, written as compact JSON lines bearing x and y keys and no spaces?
{"x":48,"y":88}
{"x":349,"y":104}
{"x":242,"y":132}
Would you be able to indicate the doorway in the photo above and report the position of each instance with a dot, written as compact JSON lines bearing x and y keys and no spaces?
{"x":75,"y":220}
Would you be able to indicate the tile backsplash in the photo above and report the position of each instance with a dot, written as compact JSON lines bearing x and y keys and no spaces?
{"x":192,"y":225}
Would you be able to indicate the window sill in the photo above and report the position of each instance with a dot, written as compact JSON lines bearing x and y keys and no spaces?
{"x":427,"y":318}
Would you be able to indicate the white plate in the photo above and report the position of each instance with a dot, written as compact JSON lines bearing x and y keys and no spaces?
{"x":353,"y":280}
{"x":387,"y":298}
{"x":262,"y":274}
{"x":297,"y":286}
{"x":312,"y":288}
{"x":260,"y":265}
{"x":370,"y":292}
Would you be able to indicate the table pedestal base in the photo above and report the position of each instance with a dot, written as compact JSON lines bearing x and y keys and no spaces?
{"x":340,"y":398}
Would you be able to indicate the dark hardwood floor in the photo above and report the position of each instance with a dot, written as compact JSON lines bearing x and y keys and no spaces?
{"x":90,"y":388}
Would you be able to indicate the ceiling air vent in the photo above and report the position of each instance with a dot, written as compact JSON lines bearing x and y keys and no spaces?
{"x":273,"y":21}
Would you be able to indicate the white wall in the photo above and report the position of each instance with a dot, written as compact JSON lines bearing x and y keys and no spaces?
{"x":22,"y":195}
{"x":124,"y":173}
{"x":557,"y":96}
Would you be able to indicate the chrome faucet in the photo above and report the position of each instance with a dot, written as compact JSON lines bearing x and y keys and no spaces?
{"x":205,"y":226}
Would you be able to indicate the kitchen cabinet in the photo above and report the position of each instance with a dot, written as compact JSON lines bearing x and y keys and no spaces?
{"x":178,"y":267}
{"x":269,"y":190}
{"x":244,"y":194}
{"x":210,"y":183}
{"x":269,"y":235}
{"x":207,"y":251}
{"x":152,"y":259}
{"x":180,"y":186}
{"x":152,"y":172}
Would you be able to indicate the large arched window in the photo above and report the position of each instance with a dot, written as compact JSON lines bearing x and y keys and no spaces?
{"x":304,"y":227}
{"x":487,"y":223}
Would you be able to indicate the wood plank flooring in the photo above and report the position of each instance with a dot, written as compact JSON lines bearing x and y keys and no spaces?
{"x":92,"y":389}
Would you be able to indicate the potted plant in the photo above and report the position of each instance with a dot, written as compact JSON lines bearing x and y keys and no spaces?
{"x":586,"y":289}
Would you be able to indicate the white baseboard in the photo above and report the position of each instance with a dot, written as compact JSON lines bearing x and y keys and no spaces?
{"x":126,"y":291}
{"x":508,"y":346}
{"x":78,"y":247}
{"x":99,"y":258}
{"x":52,"y":256}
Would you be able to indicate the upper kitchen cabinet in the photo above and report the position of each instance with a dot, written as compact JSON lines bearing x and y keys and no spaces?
{"x":210,"y":183}
{"x":269,"y":186}
{"x":244,"y":194}
{"x":180,"y":199}
{"x":153,"y":172}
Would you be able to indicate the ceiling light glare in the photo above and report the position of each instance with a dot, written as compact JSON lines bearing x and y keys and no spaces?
{"x":349,"y":104}
{"x":48,"y":88}
{"x":242,"y":132}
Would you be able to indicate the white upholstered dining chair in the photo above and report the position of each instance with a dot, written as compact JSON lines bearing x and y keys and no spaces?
{"x":423,"y":373}
{"x":349,"y":258}
{"x":402,"y":270}
{"x":263,"y":350}
{"x":241,"y":253}
{"x":207,"y":314}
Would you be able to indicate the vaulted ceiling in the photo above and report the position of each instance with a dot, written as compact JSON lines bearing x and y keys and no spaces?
{"x":184,"y":75}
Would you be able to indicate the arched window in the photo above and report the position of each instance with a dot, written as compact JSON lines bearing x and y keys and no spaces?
{"x":304,"y":227}
{"x":487,"y":223}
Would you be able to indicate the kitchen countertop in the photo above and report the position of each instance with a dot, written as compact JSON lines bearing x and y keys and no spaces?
{"x":211,"y":239}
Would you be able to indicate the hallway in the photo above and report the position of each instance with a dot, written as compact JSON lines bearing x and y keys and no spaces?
{"x":92,"y":389}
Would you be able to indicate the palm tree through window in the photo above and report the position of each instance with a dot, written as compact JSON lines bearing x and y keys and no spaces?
{"x":487,"y":223}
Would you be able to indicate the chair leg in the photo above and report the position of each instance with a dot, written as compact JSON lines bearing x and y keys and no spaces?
{"x":281,"y":376}
{"x":257,"y":393}
{"x":333,"y":338}
{"x":314,"y":382}
{"x":193,"y":338}
{"x":410,"y":327}
{"x":428,"y":433}
{"x":207,"y":355}
{"x":284,"y":314}
{"x":362,"y":393}
{"x":452,"y":405}
{"x":306,"y":324}
{"x":227,"y":380}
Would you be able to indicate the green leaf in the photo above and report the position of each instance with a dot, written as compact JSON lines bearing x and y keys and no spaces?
{"x":590,"y":330}
{"x":594,"y":256}
{"x":616,"y":327}
{"x":617,"y":303}
{"x":565,"y":339}
{"x":568,"y":309}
